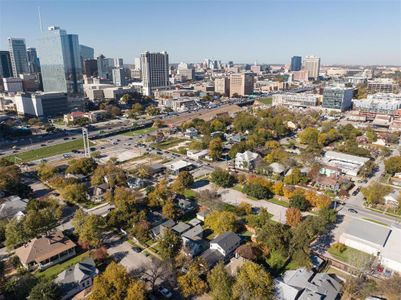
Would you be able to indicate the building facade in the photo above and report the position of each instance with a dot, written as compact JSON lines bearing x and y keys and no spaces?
{"x":33,"y":61}
{"x":90,"y":67}
{"x":296,"y":63}
{"x":155,"y":71}
{"x":241,"y":84}
{"x":296,"y":99}
{"x":337,"y":98}
{"x":312,"y":65}
{"x":222,"y":86}
{"x":18,"y":56}
{"x":6,"y":69}
{"x":119,"y":77}
{"x":60,"y":62}
{"x":104,"y":67}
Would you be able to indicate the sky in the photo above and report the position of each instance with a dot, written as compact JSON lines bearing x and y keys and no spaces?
{"x":245,"y":31}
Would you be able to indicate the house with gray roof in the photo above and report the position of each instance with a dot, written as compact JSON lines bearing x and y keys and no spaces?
{"x":12,"y":206}
{"x":246,"y":161}
{"x":180,"y":228}
{"x":77,"y":278}
{"x":221,"y":248}
{"x":159,"y":229}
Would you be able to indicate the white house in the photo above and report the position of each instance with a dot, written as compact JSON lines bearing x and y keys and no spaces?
{"x":246,"y":161}
{"x":197,"y":154}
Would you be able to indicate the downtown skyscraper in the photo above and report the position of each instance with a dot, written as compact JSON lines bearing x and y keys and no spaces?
{"x":296,"y":63}
{"x":155,"y":71}
{"x":312,"y":65}
{"x":18,"y":55}
{"x":60,"y":62}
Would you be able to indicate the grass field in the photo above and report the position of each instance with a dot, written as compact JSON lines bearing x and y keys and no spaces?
{"x":168,"y":143}
{"x":47,"y":151}
{"x":267,"y":101}
{"x":375,"y":221}
{"x":53,"y":271}
{"x":349,"y":255}
{"x":139,"y":131}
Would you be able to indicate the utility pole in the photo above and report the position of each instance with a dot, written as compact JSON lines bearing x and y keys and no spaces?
{"x":85,"y":138}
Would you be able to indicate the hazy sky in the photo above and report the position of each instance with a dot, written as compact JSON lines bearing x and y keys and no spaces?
{"x":270,"y":31}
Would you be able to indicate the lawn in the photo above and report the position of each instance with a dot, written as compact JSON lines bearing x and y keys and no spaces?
{"x":191,"y":194}
{"x":139,"y":131}
{"x":278,"y":202}
{"x":47,"y":151}
{"x":168,"y":143}
{"x":375,"y":221}
{"x":267,"y":101}
{"x":53,"y":271}
{"x":239,"y":188}
{"x":349,"y":255}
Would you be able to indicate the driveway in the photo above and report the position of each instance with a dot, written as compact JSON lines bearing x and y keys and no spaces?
{"x":234,"y":197}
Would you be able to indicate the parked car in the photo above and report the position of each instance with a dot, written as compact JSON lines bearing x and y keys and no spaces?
{"x":353,"y":211}
{"x":165,"y":292}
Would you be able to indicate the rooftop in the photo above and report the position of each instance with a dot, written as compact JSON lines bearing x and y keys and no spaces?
{"x":368,"y":231}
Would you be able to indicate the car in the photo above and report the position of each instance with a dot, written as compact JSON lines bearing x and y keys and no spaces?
{"x":165,"y":292}
{"x":353,"y":211}
{"x":66,"y":138}
{"x":66,"y":155}
{"x":136,"y":249}
{"x":356,"y":192}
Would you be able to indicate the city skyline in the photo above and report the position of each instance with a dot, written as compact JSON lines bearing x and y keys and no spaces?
{"x":220,"y":30}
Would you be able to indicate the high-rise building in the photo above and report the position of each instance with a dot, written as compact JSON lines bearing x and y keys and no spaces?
{"x":137,"y":63}
{"x":296,"y":63}
{"x":5,"y":65}
{"x":104,"y":67}
{"x":222,"y":86}
{"x":118,"y":63}
{"x":312,"y":65}
{"x":18,"y":55}
{"x":155,"y":70}
{"x":241,"y":84}
{"x":119,"y":77}
{"x":86,"y":52}
{"x":337,"y":98}
{"x":33,"y":60}
{"x":60,"y":62}
{"x":90,"y":67}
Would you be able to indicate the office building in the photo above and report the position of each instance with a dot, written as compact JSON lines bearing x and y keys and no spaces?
{"x":90,"y":67}
{"x":5,"y":65}
{"x":18,"y":55}
{"x":296,"y":99}
{"x":155,"y":71}
{"x":86,"y":52}
{"x":119,"y":77}
{"x":337,"y":98}
{"x":41,"y":104}
{"x":118,"y":63}
{"x":222,"y":86}
{"x":312,"y":65}
{"x":383,"y":85}
{"x":33,"y":61}
{"x":296,"y":63}
{"x":60,"y":62}
{"x":137,"y":63}
{"x":13,"y":84}
{"x":241,"y":84}
{"x":380,"y":103}
{"x":104,"y":67}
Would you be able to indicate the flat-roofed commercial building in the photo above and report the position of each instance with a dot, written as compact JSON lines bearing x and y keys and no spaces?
{"x":349,"y":164}
{"x":222,"y":86}
{"x":41,"y":104}
{"x":155,"y":71}
{"x":312,"y":65}
{"x":379,"y":103}
{"x":339,"y":98}
{"x":241,"y":84}
{"x":383,"y":85}
{"x":296,"y":99}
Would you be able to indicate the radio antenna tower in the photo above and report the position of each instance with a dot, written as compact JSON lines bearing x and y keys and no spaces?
{"x":40,"y":20}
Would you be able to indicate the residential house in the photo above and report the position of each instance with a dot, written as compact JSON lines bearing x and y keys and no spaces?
{"x":396,"y":179}
{"x":201,"y":215}
{"x":180,"y":228}
{"x":221,"y":248}
{"x":179,"y":165}
{"x":159,"y":229}
{"x":46,"y":251}
{"x":77,"y":278}
{"x":192,"y":241}
{"x":136,"y":183}
{"x":191,"y":133}
{"x":12,"y":206}
{"x":99,"y":191}
{"x":305,"y":284}
{"x":391,"y":199}
{"x":277,"y":168}
{"x":197,"y":154}
{"x":246,"y":161}
{"x":185,"y":204}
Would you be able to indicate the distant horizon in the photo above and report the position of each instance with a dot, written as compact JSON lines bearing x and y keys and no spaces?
{"x":339,"y":32}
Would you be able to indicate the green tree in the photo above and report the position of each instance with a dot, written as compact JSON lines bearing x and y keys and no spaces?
{"x":393,"y":165}
{"x":137,"y":109}
{"x":75,"y":193}
{"x":253,"y":282}
{"x":244,"y":121}
{"x":257,"y":190}
{"x":83,"y":166}
{"x":14,"y":234}
{"x":89,"y":228}
{"x":46,"y":171}
{"x":170,"y":244}
{"x":45,"y":290}
{"x":300,"y":202}
{"x":183,"y":181}
{"x":296,"y":177}
{"x":169,"y":210}
{"x":215,"y":148}
{"x":222,"y":178}
{"x":191,"y":284}
{"x":309,"y":136}
{"x":367,"y":169}
{"x":221,"y":221}
{"x":220,"y":283}
{"x":375,"y":192}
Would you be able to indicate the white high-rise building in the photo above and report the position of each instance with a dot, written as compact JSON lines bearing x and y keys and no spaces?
{"x":155,"y":70}
{"x":312,"y":65}
{"x":18,"y":55}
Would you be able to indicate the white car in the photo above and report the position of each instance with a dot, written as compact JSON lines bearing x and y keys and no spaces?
{"x":165,"y":292}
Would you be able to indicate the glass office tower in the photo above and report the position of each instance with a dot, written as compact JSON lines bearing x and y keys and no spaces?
{"x":18,"y":55}
{"x":60,"y":62}
{"x":5,"y":65}
{"x":296,"y":63}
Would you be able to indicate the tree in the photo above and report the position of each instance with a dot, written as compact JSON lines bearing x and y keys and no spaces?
{"x":137,"y":109}
{"x":257,"y":190}
{"x":359,"y":287}
{"x":221,"y":221}
{"x":45,"y":290}
{"x":244,"y":209}
{"x":46,"y":171}
{"x":14,"y":234}
{"x":215,"y":148}
{"x":115,"y":284}
{"x":391,"y":287}
{"x":170,"y":244}
{"x":11,"y":183}
{"x":371,"y":135}
{"x":152,"y":110}
{"x":393,"y":165}
{"x":143,"y":171}
{"x":244,"y":121}
{"x":277,"y":155}
{"x":299,"y":201}
{"x":309,"y":136}
{"x":375,"y":192}
{"x":222,"y":178}
{"x":113,"y":174}
{"x":75,"y":193}
{"x":367,"y":169}
{"x":160,"y":193}
{"x":89,"y":228}
{"x":183,"y":181}
{"x":191,"y":284}
{"x":38,"y":222}
{"x":253,"y":282}
{"x":296,"y":177}
{"x":220,"y":283}
{"x":83,"y":166}
{"x":169,"y":210}
{"x":293,"y":216}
